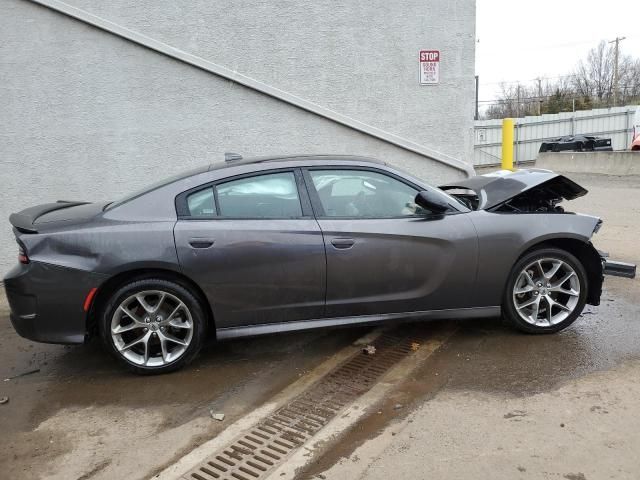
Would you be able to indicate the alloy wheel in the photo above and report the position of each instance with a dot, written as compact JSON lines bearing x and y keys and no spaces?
{"x":152,"y":328}
{"x":546,"y":292}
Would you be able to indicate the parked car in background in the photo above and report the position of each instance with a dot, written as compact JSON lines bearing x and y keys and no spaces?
{"x":576,"y":143}
{"x":277,"y":244}
{"x":635,"y":139}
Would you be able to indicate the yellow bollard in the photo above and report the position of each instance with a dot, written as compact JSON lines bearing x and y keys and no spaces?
{"x":507,"y":144}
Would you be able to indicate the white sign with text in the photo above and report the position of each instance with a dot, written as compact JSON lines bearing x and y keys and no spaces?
{"x":429,"y":67}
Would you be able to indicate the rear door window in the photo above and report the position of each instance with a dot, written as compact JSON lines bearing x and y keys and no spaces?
{"x":273,"y":195}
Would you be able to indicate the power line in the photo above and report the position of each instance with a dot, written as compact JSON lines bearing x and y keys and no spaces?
{"x":511,"y":82}
{"x":535,"y":98}
{"x":576,"y":94}
{"x":539,"y":47}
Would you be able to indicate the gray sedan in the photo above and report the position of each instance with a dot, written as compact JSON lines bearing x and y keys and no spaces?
{"x":266,"y":245}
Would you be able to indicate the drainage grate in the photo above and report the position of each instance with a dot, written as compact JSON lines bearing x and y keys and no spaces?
{"x":268,"y":444}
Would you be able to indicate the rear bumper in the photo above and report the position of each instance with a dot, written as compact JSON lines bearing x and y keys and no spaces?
{"x":46,"y":301}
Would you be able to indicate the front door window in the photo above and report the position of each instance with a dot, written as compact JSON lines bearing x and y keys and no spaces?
{"x":363,"y":194}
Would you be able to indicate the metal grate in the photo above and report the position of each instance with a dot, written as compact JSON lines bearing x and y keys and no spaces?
{"x":267,"y":445}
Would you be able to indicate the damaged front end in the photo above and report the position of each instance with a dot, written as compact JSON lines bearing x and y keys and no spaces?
{"x":530,"y":191}
{"x":522,"y":191}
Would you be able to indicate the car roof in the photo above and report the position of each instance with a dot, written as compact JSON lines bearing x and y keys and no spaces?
{"x":219,"y":168}
{"x":293,"y":158}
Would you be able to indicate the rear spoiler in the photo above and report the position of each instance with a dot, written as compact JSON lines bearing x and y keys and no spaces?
{"x":24,"y":220}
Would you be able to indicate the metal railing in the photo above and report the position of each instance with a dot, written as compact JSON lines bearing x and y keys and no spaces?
{"x":530,"y":132}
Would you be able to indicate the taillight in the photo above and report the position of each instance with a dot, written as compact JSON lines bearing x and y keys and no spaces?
{"x":22,"y":254}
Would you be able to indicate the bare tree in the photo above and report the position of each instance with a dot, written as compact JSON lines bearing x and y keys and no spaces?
{"x":629,"y":72}
{"x":589,"y":86}
{"x":594,"y":76}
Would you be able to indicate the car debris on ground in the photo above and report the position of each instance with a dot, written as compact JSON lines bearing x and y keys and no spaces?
{"x":217,"y":416}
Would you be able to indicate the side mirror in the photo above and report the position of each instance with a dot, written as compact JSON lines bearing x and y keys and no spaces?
{"x":432,"y":202}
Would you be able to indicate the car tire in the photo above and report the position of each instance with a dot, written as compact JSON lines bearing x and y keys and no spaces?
{"x":555,"y":304}
{"x":153,"y":326}
{"x":579,"y":147}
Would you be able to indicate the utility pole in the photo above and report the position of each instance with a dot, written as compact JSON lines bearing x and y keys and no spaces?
{"x":518,"y":104}
{"x":539,"y":80}
{"x":615,"y":68}
{"x":477,"y":115}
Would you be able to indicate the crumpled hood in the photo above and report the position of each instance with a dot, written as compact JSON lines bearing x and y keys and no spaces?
{"x":496,"y":188}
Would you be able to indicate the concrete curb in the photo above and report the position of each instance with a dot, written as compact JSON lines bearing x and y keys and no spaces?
{"x":196,"y":456}
{"x":605,"y":163}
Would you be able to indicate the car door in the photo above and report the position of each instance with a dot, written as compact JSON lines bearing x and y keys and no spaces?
{"x":251,"y":242}
{"x":384,"y":253}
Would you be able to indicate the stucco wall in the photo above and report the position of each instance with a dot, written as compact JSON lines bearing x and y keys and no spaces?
{"x":85,"y":115}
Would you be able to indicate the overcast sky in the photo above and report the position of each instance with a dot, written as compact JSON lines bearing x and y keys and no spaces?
{"x":518,"y":40}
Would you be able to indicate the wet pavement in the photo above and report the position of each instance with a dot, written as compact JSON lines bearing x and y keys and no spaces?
{"x":81,"y":395}
{"x":79,"y":415}
{"x":486,"y":357}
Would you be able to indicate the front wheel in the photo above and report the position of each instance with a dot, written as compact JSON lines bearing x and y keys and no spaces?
{"x":153,"y":326}
{"x":546,"y":291}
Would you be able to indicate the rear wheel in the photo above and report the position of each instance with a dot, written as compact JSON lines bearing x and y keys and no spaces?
{"x":546,"y":291}
{"x":153,"y":326}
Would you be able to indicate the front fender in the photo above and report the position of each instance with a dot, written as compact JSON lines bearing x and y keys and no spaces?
{"x":504,"y":237}
{"x":554,"y":226}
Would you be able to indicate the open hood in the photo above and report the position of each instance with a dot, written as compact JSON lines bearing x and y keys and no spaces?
{"x":494,"y":189}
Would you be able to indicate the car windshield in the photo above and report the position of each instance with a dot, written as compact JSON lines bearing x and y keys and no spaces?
{"x":155,"y":186}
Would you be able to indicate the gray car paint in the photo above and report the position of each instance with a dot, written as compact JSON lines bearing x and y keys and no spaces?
{"x":46,"y":301}
{"x":256,"y":271}
{"x":399,"y":264}
{"x":496,"y":188}
{"x":503,"y":237}
{"x":271,"y":272}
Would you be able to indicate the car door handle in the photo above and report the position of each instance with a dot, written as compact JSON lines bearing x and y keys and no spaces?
{"x":343,"y":243}
{"x":201,"y":242}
